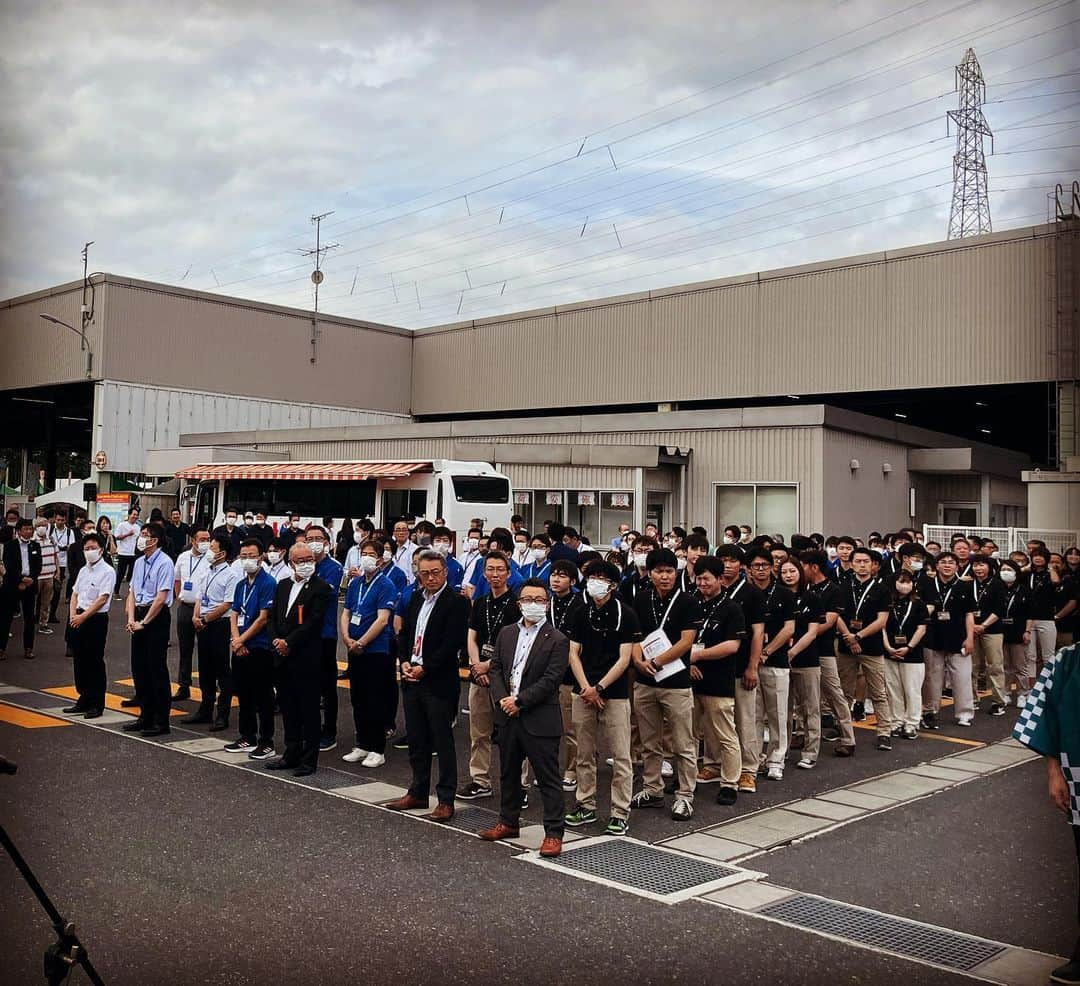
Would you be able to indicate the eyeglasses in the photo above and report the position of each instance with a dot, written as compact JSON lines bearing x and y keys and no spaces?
{"x":533,"y":599}
{"x":435,"y":573}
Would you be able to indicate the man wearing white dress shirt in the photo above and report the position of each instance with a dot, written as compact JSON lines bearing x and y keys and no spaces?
{"x":211,"y":623}
{"x":188,"y":579}
{"x":127,"y":536}
{"x":88,"y":617}
{"x":403,"y":549}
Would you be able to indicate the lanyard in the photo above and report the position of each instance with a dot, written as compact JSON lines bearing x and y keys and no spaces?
{"x":540,"y":573}
{"x":487,"y":614}
{"x":945,"y":598}
{"x":601,"y":629}
{"x":732,"y":593}
{"x":862,"y":599}
{"x":400,"y":552}
{"x":982,"y":591}
{"x":558,"y":604}
{"x":667,"y":612}
{"x":213,"y":579}
{"x":191,"y":568}
{"x":1009,"y":602}
{"x":519,"y":661}
{"x":710,"y":607}
{"x":901,"y":620}
{"x":772,"y":592}
{"x":371,"y":585}
{"x":277,"y":568}
{"x":247,"y":596}
{"x":148,"y":572}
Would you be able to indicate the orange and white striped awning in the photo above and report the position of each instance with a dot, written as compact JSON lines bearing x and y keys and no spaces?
{"x":303,"y":470}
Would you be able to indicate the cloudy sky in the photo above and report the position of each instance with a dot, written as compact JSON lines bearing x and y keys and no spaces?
{"x":480,"y":158}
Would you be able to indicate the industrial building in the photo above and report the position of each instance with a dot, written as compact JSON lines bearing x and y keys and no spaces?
{"x":931,"y":384}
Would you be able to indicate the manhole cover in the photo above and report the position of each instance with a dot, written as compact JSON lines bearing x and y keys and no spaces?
{"x":473,"y":819}
{"x":884,"y":931}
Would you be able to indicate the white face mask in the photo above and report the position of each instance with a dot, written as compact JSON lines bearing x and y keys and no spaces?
{"x":93,"y":555}
{"x":624,"y":545}
{"x":141,"y":543}
{"x":520,"y":547}
{"x":597,"y":588}
{"x":249,"y":565}
{"x":639,"y":558}
{"x":200,"y":547}
{"x":669,"y":543}
{"x":305,"y":570}
{"x":387,"y":556}
{"x":904,"y":588}
{"x":230,"y":521}
{"x":539,"y":554}
{"x":916,"y":565}
{"x":317,"y":548}
{"x":471,"y":544}
{"x":681,"y":563}
{"x":728,"y":539}
{"x":357,"y":537}
{"x":831,"y":552}
{"x":41,"y":532}
{"x":533,"y":612}
{"x":273,"y":557}
{"x":368,"y":564}
{"x":1008,"y":576}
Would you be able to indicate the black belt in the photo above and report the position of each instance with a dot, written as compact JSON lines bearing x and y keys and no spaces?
{"x":141,"y":611}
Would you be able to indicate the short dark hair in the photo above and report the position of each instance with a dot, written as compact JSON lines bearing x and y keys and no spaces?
{"x":155,"y":531}
{"x":317,"y":527}
{"x":699,"y":541}
{"x":564,"y":567}
{"x":605,"y":570}
{"x":571,"y":532}
{"x":661,"y":558}
{"x":755,"y":553}
{"x":711,"y":564}
{"x":517,"y":519}
{"x":729,"y":551}
{"x":442,"y":532}
{"x":866,"y":551}
{"x":814,"y":557}
{"x":92,"y":536}
{"x":498,"y":556}
{"x":845,"y":539}
{"x":556,"y":530}
{"x":225,"y":544}
{"x":24,"y":522}
{"x":949,"y":554}
{"x":534,"y":584}
{"x":252,"y":543}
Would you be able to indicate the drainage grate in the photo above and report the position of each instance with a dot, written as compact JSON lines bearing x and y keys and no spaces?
{"x":884,"y":931}
{"x":642,"y":867}
{"x":473,"y":819}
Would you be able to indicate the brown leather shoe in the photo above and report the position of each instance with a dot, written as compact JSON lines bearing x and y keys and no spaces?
{"x":406,"y":803}
{"x":442,"y":813}
{"x":844,"y":751}
{"x":498,"y":831}
{"x":550,"y":847}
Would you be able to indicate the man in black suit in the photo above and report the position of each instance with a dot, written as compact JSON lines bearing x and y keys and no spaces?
{"x":294,"y":626}
{"x":432,"y":636}
{"x":526,"y":671}
{"x":22,"y":566}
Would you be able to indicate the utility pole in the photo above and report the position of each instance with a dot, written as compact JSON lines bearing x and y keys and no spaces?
{"x":86,"y":313}
{"x":317,"y":277}
{"x":970,"y":213}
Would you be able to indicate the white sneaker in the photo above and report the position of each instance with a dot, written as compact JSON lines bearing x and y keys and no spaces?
{"x":666,"y":770}
{"x":355,"y":755}
{"x":373,"y":759}
{"x":610,"y":761}
{"x":964,"y":720}
{"x":776,"y":773}
{"x":805,"y":763}
{"x":1021,"y":699}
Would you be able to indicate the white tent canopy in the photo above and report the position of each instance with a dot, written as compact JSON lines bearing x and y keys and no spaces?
{"x":75,"y":493}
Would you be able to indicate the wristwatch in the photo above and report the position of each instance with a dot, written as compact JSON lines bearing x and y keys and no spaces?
{"x":600,"y":689}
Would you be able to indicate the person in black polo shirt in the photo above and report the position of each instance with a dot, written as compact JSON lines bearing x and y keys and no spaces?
{"x":750,"y":600}
{"x":864,"y":610}
{"x":1016,"y":625}
{"x":712,"y":670}
{"x":815,"y":564}
{"x":602,"y":635}
{"x":904,"y":668}
{"x":951,"y":641}
{"x":670,"y":619}
{"x":177,"y":535}
{"x":989,"y":655}
{"x":774,"y":673}
{"x":636,"y":576}
{"x":803,"y":656}
{"x":1045,"y":599}
{"x":563,"y":578}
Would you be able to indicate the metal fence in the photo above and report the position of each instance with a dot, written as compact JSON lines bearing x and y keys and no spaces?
{"x":1006,"y":538}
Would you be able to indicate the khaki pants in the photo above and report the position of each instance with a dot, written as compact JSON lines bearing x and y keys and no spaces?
{"x":614,"y":720}
{"x":45,"y":594}
{"x":989,"y":652}
{"x":806,"y":700}
{"x":1019,"y":667}
{"x":774,"y":684}
{"x":566,"y":705}
{"x":653,"y":706}
{"x":1043,"y":643}
{"x":481,"y":726}
{"x":746,"y":726}
{"x":832,"y":693}
{"x":904,"y":683}
{"x":873,"y":669}
{"x":959,"y":667}
{"x":714,"y":722}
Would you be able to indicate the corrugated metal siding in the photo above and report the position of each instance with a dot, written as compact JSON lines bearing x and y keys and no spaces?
{"x":538,"y":477}
{"x":252,"y":352}
{"x":413,"y":448}
{"x":38,"y":353}
{"x":134,"y":418}
{"x":975,"y":314}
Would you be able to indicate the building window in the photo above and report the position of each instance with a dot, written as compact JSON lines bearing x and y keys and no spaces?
{"x":769,"y":508}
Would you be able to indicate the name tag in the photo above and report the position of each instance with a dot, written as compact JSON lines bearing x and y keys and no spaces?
{"x":188,"y":586}
{"x":241,"y":620}
{"x":355,"y":621}
{"x":900,"y":641}
{"x":944,"y":617}
{"x":487,"y":652}
{"x":856,"y":624}
{"x":978,"y":614}
{"x":1008,"y":621}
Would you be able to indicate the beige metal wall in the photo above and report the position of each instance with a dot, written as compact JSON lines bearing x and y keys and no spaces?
{"x":38,"y":353}
{"x":971,"y":312}
{"x":251,"y":350}
{"x":866,"y":499}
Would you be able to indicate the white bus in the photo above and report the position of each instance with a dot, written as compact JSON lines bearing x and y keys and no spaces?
{"x":380,"y":491}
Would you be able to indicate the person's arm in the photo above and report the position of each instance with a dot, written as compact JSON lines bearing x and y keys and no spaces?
{"x":757,"y":637}
{"x":472,"y":648}
{"x":452,"y":640}
{"x":496,"y":686}
{"x":787,"y":631}
{"x":804,"y":641}
{"x":726,"y":648}
{"x":156,"y":606}
{"x":577,"y":669}
{"x":1057,"y":788}
{"x":874,"y":628}
{"x":969,"y":630}
{"x":828,"y":623}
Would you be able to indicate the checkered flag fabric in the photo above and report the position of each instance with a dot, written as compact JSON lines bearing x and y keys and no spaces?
{"x":1072,"y":779}
{"x":1027,"y":726}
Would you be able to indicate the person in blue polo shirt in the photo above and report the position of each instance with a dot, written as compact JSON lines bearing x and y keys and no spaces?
{"x":539,"y":566}
{"x":253,"y":667}
{"x":500,"y":540}
{"x":455,"y":573}
{"x":366,"y":627}
{"x":148,"y":623}
{"x":327,"y":569}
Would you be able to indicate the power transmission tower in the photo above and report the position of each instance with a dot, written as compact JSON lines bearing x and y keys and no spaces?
{"x":317,"y":277}
{"x":970,"y":213}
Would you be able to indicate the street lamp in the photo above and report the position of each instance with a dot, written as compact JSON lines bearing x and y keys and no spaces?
{"x":84,"y":343}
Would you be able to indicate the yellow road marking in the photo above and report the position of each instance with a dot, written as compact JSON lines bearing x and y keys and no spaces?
{"x":111,"y":701}
{"x":870,"y":722}
{"x":28,"y":719}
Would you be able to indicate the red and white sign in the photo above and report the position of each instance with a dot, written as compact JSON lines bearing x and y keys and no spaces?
{"x":586,"y":499}
{"x":553,"y":499}
{"x":523,"y":497}
{"x":620,"y":499}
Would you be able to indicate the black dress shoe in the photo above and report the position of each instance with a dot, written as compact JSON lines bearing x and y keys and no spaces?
{"x":195,"y":720}
{"x":303,"y":771}
{"x":130,"y":703}
{"x":93,"y":713}
{"x":155,"y":731}
{"x":72,"y":709}
{"x":219,"y":725}
{"x":343,"y":676}
{"x":135,"y":726}
{"x":69,"y":652}
{"x":183,"y":693}
{"x":280,"y":764}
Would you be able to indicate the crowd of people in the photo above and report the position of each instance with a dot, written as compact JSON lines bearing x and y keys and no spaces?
{"x":707,"y":665}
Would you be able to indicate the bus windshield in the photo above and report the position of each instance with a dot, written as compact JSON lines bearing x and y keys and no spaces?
{"x":481,"y":489}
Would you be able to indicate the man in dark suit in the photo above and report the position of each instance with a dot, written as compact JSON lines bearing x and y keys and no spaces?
{"x":18,"y":591}
{"x":432,"y":636}
{"x":526,"y":671}
{"x":294,"y":626}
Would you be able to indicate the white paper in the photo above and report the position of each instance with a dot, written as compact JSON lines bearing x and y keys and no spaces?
{"x":669,"y":669}
{"x":655,"y":644}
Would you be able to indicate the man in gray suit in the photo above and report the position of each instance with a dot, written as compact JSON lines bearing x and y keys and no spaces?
{"x":526,"y":671}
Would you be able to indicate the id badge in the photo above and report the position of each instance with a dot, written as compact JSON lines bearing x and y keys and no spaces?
{"x":487,"y":652}
{"x":188,"y":586}
{"x":900,"y":641}
{"x":944,"y":617}
{"x":1008,"y":621}
{"x":355,"y":621}
{"x":241,"y":620}
{"x":855,"y":624}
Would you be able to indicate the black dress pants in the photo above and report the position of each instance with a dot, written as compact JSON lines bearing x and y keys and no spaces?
{"x":428,"y":721}
{"x":150,"y":667}
{"x":125,"y":565}
{"x":215,"y":672}
{"x":185,"y":637}
{"x":328,"y":687}
{"x":373,"y":692}
{"x":88,"y":647}
{"x":253,"y":679}
{"x":515,"y":745}
{"x":11,"y":602}
{"x":298,"y":686}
